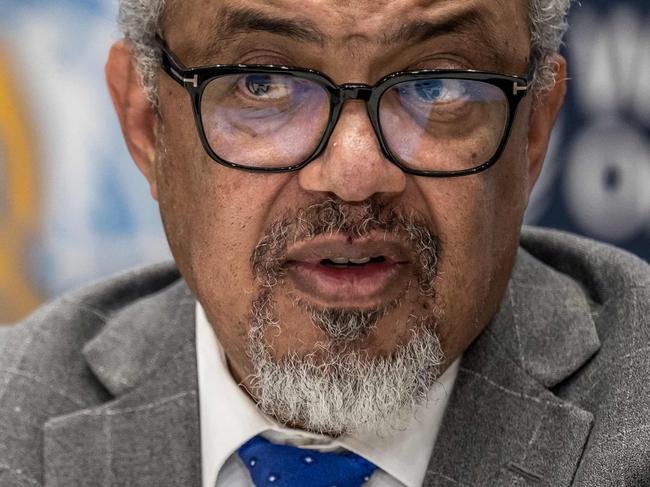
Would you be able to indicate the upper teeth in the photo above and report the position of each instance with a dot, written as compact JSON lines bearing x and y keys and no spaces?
{"x":345,"y":260}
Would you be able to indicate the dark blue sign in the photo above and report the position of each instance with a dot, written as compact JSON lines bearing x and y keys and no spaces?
{"x":597,"y":179}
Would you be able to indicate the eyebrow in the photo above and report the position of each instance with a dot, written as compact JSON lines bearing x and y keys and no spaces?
{"x":423,"y":30}
{"x":234,"y":21}
{"x":237,"y":21}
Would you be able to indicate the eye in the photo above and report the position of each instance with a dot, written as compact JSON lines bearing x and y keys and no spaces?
{"x":266,"y":86}
{"x":434,"y":91}
{"x":429,"y":90}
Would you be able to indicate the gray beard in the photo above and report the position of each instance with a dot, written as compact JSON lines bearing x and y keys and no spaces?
{"x":336,"y":389}
{"x":339,"y":388}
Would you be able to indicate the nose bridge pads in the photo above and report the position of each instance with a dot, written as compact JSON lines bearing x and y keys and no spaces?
{"x":356,"y":92}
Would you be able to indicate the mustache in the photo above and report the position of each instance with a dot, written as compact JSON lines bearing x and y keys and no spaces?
{"x":355,"y":221}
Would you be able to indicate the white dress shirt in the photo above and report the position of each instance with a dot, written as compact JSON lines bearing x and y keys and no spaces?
{"x":229,"y":418}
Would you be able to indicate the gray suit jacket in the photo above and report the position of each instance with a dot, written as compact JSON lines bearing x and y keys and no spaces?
{"x":100,"y":388}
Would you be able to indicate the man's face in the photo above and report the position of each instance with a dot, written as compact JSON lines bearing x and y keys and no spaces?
{"x":259,"y":250}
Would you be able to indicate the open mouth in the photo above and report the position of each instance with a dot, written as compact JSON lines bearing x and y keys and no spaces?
{"x":345,"y":263}
{"x":334,"y":272}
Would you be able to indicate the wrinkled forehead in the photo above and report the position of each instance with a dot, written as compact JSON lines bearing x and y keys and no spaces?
{"x":500,"y":24}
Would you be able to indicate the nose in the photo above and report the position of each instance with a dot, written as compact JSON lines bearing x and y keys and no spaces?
{"x":353,"y":166}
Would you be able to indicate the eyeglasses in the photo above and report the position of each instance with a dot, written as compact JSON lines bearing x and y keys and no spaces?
{"x":267,"y":118}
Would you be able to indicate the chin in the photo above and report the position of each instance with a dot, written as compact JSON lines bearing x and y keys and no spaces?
{"x":295,"y":325}
{"x":337,"y":371}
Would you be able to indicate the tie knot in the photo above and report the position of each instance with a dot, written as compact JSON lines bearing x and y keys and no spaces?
{"x":272,"y":465}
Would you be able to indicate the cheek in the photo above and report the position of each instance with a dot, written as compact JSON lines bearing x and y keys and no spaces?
{"x":206,"y":208}
{"x":226,"y":221}
{"x":214,"y":217}
{"x":479,"y":219}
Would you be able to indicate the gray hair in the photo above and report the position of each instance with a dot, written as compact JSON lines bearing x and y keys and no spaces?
{"x":140,"y":20}
{"x":548,"y":24}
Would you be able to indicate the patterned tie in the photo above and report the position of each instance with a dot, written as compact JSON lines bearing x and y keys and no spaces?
{"x":272,"y":465}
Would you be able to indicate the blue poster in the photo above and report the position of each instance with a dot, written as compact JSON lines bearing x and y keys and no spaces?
{"x":596,"y":181}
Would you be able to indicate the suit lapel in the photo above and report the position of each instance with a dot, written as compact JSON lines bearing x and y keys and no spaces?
{"x":149,"y":434}
{"x":503,"y":426}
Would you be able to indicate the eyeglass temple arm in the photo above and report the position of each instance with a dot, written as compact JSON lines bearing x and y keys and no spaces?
{"x":174,"y":67}
{"x":518,"y":87}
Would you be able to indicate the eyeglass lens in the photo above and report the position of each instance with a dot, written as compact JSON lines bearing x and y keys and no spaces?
{"x":277,"y":120}
{"x":443,"y":124}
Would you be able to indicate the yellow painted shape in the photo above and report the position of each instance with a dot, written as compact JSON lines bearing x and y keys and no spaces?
{"x":19,"y":220}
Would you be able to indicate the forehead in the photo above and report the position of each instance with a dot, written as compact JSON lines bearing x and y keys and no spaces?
{"x":501,"y":24}
{"x":357,"y":17}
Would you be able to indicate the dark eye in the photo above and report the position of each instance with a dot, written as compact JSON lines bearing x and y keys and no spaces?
{"x":436,"y":90}
{"x":267,"y":86}
{"x":429,"y":90}
{"x":258,"y":84}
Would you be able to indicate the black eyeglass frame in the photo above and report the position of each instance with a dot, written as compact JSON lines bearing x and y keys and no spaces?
{"x":195,"y":80}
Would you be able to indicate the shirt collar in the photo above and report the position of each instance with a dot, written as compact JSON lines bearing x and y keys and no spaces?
{"x":229,"y":418}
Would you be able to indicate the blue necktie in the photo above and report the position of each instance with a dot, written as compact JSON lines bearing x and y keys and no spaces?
{"x":272,"y":465}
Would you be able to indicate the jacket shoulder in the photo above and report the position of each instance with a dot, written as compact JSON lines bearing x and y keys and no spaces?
{"x":615,"y":282}
{"x":613,"y":384}
{"x":605,"y":271}
{"x":43,"y":372}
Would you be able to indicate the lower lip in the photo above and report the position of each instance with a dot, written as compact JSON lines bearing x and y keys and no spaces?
{"x":349,"y":287}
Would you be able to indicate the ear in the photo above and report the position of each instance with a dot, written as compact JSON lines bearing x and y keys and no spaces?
{"x":136,"y":113}
{"x":544,"y":112}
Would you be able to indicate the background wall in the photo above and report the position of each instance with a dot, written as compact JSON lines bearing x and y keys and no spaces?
{"x":596,"y":179}
{"x":74,"y":208}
